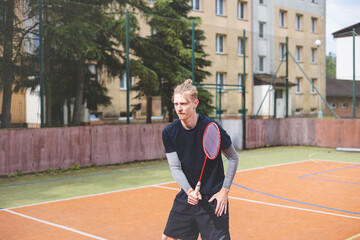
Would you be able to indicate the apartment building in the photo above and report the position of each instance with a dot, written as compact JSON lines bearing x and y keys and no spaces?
{"x":266,"y":25}
{"x":303,"y":22}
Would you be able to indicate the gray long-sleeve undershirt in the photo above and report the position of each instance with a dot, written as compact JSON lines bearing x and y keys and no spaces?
{"x":180,"y":178}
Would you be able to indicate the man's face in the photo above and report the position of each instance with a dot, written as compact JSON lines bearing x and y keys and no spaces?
{"x":185,"y":107}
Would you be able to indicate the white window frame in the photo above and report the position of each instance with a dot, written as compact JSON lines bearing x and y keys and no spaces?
{"x":241,"y":10}
{"x":298,"y":111}
{"x":298,"y":85}
{"x":313,"y":55}
{"x":298,"y":21}
{"x":220,"y":44}
{"x":240,"y":46}
{"x":333,"y":105}
{"x":262,"y":30}
{"x":312,"y":86}
{"x":313,"y":27}
{"x":344,"y":105}
{"x":282,"y":18}
{"x":282,"y":51}
{"x":298,"y":54}
{"x":240,"y":82}
{"x":220,"y":7}
{"x":123,"y":85}
{"x":261,"y":64}
{"x":220,"y":79}
{"x":196,"y":5}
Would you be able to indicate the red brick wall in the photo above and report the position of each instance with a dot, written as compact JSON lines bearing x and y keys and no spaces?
{"x":339,"y":110}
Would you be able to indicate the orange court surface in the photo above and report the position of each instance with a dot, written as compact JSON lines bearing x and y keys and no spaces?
{"x":312,"y":199}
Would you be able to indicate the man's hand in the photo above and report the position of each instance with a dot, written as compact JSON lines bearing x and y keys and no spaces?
{"x":193,"y":199}
{"x":222,"y":199}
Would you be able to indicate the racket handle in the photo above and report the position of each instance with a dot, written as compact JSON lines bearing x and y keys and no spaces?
{"x":197,"y":189}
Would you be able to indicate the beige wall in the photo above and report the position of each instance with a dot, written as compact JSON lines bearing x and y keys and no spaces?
{"x":305,"y":100}
{"x":229,"y":63}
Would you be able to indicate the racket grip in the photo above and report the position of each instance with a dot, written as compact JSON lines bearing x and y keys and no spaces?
{"x":197,"y":189}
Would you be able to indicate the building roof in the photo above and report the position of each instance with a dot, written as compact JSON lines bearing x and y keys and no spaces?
{"x":341,"y":88}
{"x":346,"y":32}
{"x":265,"y":79}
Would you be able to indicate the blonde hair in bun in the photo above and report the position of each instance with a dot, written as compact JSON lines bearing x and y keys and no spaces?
{"x":186,"y":88}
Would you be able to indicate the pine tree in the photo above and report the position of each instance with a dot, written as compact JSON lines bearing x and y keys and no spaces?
{"x":171,"y":52}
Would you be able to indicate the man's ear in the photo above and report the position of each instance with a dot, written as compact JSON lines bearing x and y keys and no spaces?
{"x":196,"y":102}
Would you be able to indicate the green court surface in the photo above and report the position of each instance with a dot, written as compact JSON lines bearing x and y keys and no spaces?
{"x":38,"y":188}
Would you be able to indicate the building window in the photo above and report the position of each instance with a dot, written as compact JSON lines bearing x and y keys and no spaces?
{"x":282,"y":19}
{"x":153,"y":31}
{"x":240,"y":46}
{"x":312,"y":110}
{"x":241,"y":10}
{"x":298,"y":22}
{"x":240,"y":82}
{"x":220,"y":44}
{"x":261,"y":2}
{"x":313,"y":25}
{"x":261,"y":63}
{"x":298,"y":111}
{"x":196,"y":5}
{"x":261,"y":29}
{"x":298,"y":53}
{"x":333,"y":105}
{"x":123,"y":82}
{"x":315,"y":1}
{"x":298,"y":86}
{"x":344,"y":105}
{"x":282,"y":51}
{"x":220,"y":81}
{"x":313,"y":55}
{"x":313,"y":84}
{"x":220,"y":7}
{"x":94,"y":73}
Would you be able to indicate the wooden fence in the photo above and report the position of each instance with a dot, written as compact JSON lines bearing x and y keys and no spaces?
{"x":36,"y":150}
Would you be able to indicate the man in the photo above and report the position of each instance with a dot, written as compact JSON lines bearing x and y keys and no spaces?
{"x":207,"y":212}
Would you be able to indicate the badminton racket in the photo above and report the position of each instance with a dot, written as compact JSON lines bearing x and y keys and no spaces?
{"x":211,"y":145}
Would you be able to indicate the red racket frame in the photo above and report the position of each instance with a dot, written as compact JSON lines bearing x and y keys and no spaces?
{"x":197,"y":189}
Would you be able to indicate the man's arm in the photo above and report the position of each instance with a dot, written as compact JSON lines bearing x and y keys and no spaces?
{"x":222,"y":195}
{"x":231,"y":168}
{"x":180,"y":178}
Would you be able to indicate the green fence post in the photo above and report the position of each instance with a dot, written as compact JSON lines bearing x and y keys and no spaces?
{"x":244,"y":93}
{"x":127,"y":70}
{"x":42,"y":102}
{"x":193,"y":51}
{"x":287,"y":77}
{"x":354,"y":102}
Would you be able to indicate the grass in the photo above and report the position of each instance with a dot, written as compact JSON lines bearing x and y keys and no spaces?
{"x":25,"y":189}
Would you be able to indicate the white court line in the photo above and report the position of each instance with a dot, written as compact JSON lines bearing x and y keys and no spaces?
{"x":353,"y":237}
{"x":55,"y":225}
{"x":127,"y":189}
{"x":85,"y":196}
{"x":273,"y":204}
{"x":275,"y":165}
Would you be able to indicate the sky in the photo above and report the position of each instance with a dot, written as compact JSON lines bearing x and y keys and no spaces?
{"x":340,"y":14}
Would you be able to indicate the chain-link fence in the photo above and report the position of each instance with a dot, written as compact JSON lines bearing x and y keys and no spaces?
{"x":112,"y":62}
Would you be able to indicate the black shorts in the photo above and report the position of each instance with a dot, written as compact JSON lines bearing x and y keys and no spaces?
{"x":187,"y":221}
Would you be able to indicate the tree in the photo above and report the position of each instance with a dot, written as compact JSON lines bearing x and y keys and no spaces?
{"x":331,"y":65}
{"x":79,"y":34}
{"x":171,"y":52}
{"x":7,"y":73}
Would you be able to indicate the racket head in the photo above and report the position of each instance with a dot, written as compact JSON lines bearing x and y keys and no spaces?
{"x":211,"y":140}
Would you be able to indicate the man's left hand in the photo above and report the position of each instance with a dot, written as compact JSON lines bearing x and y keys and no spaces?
{"x":222,"y":199}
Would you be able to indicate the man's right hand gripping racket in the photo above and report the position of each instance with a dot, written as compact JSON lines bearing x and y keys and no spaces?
{"x":211,"y":144}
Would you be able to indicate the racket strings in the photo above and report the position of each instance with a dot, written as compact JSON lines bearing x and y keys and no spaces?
{"x":211,"y":141}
